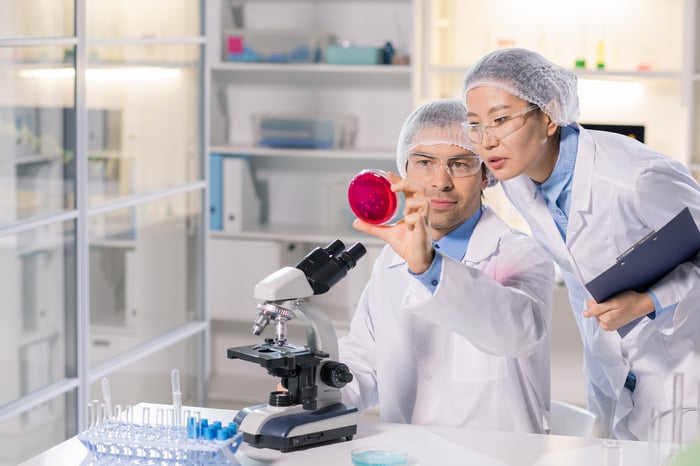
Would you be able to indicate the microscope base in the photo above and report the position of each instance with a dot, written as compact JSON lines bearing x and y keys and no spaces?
{"x":298,"y":428}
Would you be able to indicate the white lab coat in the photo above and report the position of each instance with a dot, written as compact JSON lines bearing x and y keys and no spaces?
{"x":474,"y":354}
{"x":622,"y":190}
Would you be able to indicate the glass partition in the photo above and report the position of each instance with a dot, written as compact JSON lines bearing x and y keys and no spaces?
{"x":37,"y":18}
{"x":143,"y":18}
{"x":37,"y":132}
{"x":148,"y":380}
{"x":144,"y":279}
{"x":144,"y":131}
{"x":37,"y":267}
{"x":36,"y":430}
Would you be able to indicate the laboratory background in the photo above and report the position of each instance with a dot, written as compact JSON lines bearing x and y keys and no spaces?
{"x":160,"y":157}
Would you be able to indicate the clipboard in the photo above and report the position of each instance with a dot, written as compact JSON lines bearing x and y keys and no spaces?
{"x":649,"y":259}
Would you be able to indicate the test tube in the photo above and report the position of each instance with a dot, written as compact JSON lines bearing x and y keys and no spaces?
{"x":612,"y":453}
{"x":103,"y":414}
{"x":677,"y":413}
{"x":177,"y":396}
{"x":95,"y":409}
{"x":107,"y":397}
{"x":655,"y":437}
{"x":89,"y":415}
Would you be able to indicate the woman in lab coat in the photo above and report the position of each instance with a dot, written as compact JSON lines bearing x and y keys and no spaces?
{"x":453,"y":326}
{"x":588,"y":196}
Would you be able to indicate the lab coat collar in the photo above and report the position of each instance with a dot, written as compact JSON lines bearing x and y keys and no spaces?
{"x":486,"y":237}
{"x":582,"y":186}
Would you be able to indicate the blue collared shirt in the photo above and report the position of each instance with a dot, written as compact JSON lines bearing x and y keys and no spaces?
{"x":556,"y":190}
{"x":453,"y":245}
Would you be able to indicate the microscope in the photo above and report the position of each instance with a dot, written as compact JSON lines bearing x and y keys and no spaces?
{"x":310,"y":412}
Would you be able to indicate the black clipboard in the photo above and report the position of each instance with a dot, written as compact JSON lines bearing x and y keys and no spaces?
{"x":649,"y":259}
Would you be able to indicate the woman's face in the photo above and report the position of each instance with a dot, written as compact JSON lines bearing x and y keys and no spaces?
{"x":530,"y":148}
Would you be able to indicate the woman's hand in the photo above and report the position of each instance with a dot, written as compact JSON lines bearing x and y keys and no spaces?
{"x":620,"y":309}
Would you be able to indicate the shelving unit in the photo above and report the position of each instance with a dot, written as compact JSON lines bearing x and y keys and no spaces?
{"x":301,"y":191}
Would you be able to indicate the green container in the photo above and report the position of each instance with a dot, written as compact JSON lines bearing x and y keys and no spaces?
{"x":338,"y":55}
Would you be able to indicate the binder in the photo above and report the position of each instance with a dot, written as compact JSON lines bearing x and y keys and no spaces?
{"x":649,"y":259}
{"x":240,"y":205}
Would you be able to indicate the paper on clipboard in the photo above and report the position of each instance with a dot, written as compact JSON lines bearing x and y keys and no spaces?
{"x":648,"y":260}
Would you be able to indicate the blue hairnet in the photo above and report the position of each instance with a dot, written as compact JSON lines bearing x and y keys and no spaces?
{"x":531,"y":77}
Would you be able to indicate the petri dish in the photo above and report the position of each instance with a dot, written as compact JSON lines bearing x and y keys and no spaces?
{"x":371,"y":198}
{"x":379,"y":457}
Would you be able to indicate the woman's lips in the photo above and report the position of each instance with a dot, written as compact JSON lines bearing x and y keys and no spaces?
{"x":496,"y":163}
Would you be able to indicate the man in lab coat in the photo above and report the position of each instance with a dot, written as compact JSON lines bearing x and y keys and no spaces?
{"x":453,"y":327}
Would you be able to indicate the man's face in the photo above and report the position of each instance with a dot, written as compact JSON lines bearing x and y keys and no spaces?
{"x":452,"y":200}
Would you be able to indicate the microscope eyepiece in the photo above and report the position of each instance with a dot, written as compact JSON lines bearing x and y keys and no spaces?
{"x":353,"y":254}
{"x":324,"y":267}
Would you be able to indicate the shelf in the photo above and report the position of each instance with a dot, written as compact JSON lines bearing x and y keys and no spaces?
{"x":313,"y":73}
{"x":37,"y":336}
{"x":300,"y":233}
{"x":387,"y":154}
{"x":37,"y":158}
{"x":312,"y":68}
{"x":581,"y":73}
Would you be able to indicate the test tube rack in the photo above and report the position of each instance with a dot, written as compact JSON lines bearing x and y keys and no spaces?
{"x":197,"y":444}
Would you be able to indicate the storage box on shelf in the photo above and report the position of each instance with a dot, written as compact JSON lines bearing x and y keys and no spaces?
{"x":300,"y":131}
{"x":274,"y":46}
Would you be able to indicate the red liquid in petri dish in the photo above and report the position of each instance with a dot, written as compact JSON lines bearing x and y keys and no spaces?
{"x":371,"y":198}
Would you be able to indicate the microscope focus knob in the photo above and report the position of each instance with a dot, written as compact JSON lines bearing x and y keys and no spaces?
{"x":335,"y":374}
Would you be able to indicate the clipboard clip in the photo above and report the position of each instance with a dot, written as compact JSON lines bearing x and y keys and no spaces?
{"x":635,"y":245}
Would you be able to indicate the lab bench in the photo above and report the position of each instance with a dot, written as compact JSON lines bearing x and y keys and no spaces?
{"x":426,"y":445}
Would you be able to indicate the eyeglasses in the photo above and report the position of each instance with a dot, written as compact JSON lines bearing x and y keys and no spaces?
{"x":457,"y":167}
{"x":499,"y":128}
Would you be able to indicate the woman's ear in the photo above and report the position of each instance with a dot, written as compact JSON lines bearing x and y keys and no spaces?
{"x":551,"y":126}
{"x":552,"y":107}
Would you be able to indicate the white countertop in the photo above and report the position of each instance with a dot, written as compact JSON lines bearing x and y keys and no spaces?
{"x":427,"y":445}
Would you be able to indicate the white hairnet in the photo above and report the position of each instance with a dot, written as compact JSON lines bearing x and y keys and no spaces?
{"x":436,"y":122}
{"x":531,"y":77}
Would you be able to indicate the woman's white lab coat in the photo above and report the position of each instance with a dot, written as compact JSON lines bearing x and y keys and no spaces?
{"x":474,"y":354}
{"x":622,"y":190}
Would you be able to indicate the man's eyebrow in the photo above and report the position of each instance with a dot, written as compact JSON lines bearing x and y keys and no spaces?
{"x":466,"y":153}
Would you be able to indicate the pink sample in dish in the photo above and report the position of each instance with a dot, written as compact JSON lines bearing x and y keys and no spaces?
{"x":371,"y":198}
